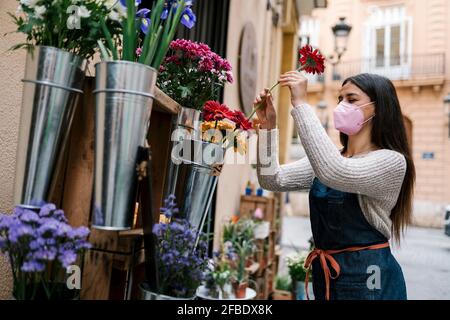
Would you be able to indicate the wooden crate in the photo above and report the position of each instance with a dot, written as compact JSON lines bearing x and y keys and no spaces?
{"x":73,"y":187}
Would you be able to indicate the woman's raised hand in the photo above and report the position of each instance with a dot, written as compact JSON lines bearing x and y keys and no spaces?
{"x":266,"y":113}
{"x":298,"y":85}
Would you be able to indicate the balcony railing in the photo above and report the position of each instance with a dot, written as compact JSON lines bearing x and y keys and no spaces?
{"x":395,"y":68}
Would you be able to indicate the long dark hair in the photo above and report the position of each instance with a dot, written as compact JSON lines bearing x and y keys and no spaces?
{"x":388,"y":132}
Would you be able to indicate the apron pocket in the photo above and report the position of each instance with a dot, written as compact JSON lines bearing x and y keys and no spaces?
{"x":353,"y":291}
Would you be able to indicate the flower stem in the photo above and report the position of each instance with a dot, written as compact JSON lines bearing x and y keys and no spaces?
{"x":259,"y":105}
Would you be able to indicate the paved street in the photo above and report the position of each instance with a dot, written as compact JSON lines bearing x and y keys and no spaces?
{"x":424,"y":256}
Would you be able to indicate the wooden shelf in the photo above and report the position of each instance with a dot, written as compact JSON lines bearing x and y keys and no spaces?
{"x":72,"y":191}
{"x":163,"y":103}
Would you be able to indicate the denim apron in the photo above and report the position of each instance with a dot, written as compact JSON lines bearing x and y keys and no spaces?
{"x":338,"y":222}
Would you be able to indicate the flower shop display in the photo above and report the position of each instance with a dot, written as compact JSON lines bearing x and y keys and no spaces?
{"x":60,"y":37}
{"x":200,"y":161}
{"x":311,"y":61}
{"x":40,"y":245}
{"x":298,"y":273}
{"x":124,"y":91}
{"x":181,"y":263}
{"x":191,"y":74}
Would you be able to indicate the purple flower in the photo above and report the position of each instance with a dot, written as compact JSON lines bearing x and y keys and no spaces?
{"x":81,"y":232}
{"x":188,"y":18}
{"x":142,"y":17}
{"x":33,"y":266}
{"x":45,"y":254}
{"x":136,"y":2}
{"x":34,"y":239}
{"x":29,"y":216}
{"x":18,"y":231}
{"x":47,"y":209}
{"x":67,"y":258}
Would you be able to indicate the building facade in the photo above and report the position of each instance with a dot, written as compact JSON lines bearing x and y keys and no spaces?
{"x":408,"y":42}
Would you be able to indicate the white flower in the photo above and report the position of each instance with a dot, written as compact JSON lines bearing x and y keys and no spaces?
{"x":29,"y":3}
{"x":39,"y":12}
{"x":19,"y":9}
{"x":83,"y":12}
{"x":117,"y":11}
{"x":114,"y":16}
{"x":73,"y":22}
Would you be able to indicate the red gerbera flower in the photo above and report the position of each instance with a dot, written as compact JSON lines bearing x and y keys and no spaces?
{"x":241,"y":120}
{"x":214,"y":111}
{"x":311,"y":60}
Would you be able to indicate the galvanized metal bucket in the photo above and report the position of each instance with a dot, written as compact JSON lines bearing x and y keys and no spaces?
{"x":199,"y":169}
{"x":52,"y":85}
{"x":186,"y":125}
{"x":124,"y":96}
{"x":147,"y":294}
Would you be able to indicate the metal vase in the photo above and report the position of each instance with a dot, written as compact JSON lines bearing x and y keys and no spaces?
{"x":199,"y":168}
{"x":52,"y":85}
{"x":147,"y":294}
{"x":124,"y":95}
{"x":186,"y":125}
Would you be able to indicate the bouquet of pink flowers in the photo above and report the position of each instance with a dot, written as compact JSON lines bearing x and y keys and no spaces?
{"x":192,"y":74}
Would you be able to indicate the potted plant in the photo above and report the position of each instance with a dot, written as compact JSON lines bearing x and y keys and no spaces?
{"x":200,"y":161}
{"x":283,"y":288}
{"x":124,"y":92}
{"x":240,"y":282}
{"x":193,"y":74}
{"x":219,"y":275}
{"x":181,"y":264}
{"x":60,"y":37}
{"x":297,"y":272}
{"x":41,"y":245}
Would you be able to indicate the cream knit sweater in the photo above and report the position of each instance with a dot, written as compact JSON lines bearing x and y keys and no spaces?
{"x":376,"y":177}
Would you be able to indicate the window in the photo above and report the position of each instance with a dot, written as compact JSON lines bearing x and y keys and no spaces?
{"x":387,"y":42}
{"x":380,"y":47}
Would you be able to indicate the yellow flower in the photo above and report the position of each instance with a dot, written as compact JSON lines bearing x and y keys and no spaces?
{"x":241,"y":145}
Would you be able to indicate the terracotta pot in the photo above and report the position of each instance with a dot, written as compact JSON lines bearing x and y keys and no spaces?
{"x":240,"y":289}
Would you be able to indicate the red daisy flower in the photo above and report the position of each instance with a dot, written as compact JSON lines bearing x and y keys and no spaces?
{"x":241,"y":120}
{"x":214,"y":111}
{"x":311,"y":60}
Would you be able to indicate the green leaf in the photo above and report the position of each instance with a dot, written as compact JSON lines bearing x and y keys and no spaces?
{"x":104,"y":51}
{"x":169,"y":33}
{"x":108,"y":37}
{"x":185,"y":91}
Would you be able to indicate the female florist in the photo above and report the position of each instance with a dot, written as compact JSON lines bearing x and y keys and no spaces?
{"x":123,"y":137}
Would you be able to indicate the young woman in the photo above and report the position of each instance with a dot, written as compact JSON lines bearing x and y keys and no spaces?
{"x":360,"y":196}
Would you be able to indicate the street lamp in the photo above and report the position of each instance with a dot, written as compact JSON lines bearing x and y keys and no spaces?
{"x":447,"y":111}
{"x":341,"y":32}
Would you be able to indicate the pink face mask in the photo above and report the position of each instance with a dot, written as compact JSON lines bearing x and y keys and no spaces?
{"x":349,"y":118}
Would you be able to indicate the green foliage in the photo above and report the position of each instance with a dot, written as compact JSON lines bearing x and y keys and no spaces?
{"x":74,"y":26}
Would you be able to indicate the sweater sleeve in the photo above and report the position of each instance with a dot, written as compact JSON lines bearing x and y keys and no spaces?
{"x":271,"y":176}
{"x":380,"y":174}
